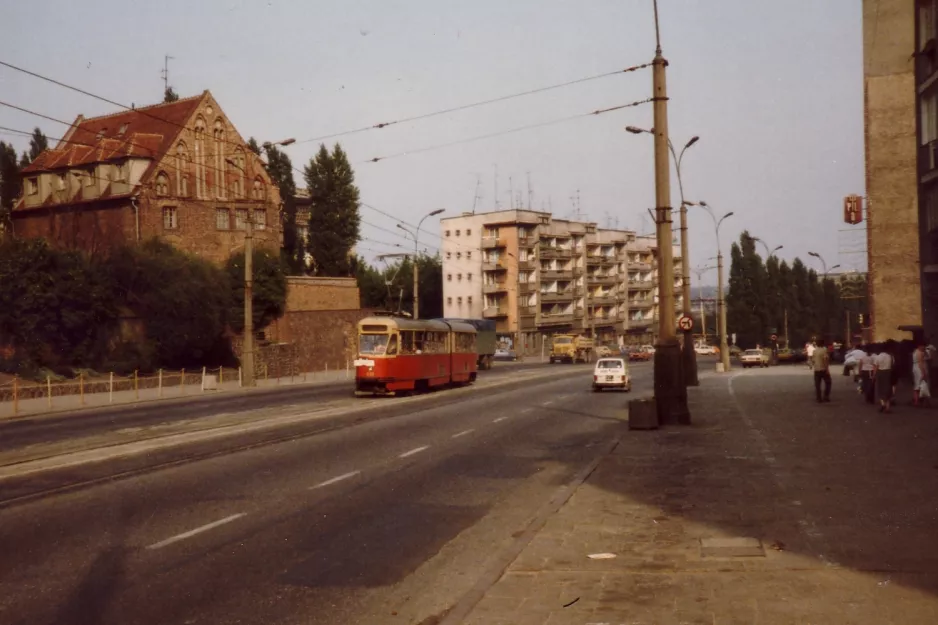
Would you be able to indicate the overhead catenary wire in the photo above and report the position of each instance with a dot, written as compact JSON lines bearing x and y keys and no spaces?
{"x":508,"y":131}
{"x":464,"y":107}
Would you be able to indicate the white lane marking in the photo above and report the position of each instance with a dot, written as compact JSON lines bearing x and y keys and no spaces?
{"x":526,"y":410}
{"x":339,"y":478}
{"x":415,"y":450}
{"x":197,"y":530}
{"x":463,"y":433}
{"x":499,"y":419}
{"x":548,"y":402}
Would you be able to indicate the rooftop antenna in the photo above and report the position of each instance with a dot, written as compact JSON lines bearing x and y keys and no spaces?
{"x":477,"y":196}
{"x":511,"y":193}
{"x":165,"y":72}
{"x":530,"y":192}
{"x":497,"y":207}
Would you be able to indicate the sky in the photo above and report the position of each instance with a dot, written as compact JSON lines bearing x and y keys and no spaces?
{"x":773,"y":89}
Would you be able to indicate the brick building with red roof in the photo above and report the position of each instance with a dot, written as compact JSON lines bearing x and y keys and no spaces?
{"x":178,"y":171}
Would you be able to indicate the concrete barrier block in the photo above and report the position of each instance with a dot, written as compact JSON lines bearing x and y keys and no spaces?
{"x":643,"y":414}
{"x":210,"y":383}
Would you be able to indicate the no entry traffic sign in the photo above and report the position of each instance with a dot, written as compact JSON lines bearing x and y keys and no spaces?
{"x":685,"y":323}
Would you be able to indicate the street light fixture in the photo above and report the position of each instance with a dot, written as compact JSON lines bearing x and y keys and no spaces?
{"x":689,"y":354}
{"x":416,"y":237}
{"x":247,"y":349}
{"x":724,"y":347}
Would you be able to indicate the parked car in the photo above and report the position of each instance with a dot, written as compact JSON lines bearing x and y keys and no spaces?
{"x":611,"y":373}
{"x":505,"y":355}
{"x":706,"y":350}
{"x":639,"y":355}
{"x":754,"y":358}
{"x":602,"y":351}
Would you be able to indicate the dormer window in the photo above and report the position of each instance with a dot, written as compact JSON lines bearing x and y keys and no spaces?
{"x":122,"y":130}
{"x":162,"y":184}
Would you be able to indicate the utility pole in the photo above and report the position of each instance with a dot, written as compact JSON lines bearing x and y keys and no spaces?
{"x":416,"y":237}
{"x":670,"y":391}
{"x":787,"y":344}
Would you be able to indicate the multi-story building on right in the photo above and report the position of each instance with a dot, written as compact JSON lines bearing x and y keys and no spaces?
{"x":899,"y":80}
{"x":925,"y":59}
{"x":537,"y":276}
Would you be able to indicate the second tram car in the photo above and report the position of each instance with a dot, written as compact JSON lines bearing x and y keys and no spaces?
{"x":401,"y":354}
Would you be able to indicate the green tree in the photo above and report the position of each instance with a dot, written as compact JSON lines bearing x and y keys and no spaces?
{"x":253,"y":146}
{"x":170,"y":95}
{"x":270,"y":289}
{"x":373,"y":291}
{"x":745,"y":301}
{"x":56,"y":307}
{"x":334,"y":222}
{"x":182,"y":301}
{"x":9,"y":184}
{"x":37,"y":143}
{"x":280,"y":169}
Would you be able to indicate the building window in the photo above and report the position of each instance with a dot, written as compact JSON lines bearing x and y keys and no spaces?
{"x":218,"y":134}
{"x":929,"y":116}
{"x":170,"y":218}
{"x":241,"y":219}
{"x":447,"y":233}
{"x":302,"y":232}
{"x":258,"y":189}
{"x":260,"y":218}
{"x":459,"y":278}
{"x":162,"y":184}
{"x":89,"y":177}
{"x":459,"y":301}
{"x":469,"y":255}
{"x":182,"y":164}
{"x":469,"y":300}
{"x":449,"y":277}
{"x":469,"y":277}
{"x":222,"y":219}
{"x":60,"y":182}
{"x":449,"y":300}
{"x":458,"y":254}
{"x":457,"y":233}
{"x":468,"y":232}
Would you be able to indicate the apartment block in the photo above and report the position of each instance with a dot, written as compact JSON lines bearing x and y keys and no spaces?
{"x":537,"y":276}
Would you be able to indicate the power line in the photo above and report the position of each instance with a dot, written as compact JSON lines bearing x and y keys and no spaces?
{"x":464,"y":107}
{"x":509,"y":131}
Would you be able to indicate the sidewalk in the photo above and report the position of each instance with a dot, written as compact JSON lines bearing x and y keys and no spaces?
{"x":769,"y":509}
{"x":72,"y":402}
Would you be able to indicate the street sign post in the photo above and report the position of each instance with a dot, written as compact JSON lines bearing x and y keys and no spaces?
{"x":685,"y":323}
{"x":774,"y":337}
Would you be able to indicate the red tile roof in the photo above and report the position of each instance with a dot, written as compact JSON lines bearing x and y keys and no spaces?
{"x":147,"y":132}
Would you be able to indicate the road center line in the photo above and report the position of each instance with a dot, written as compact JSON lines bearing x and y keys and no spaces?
{"x":197,"y":530}
{"x":415,"y":450}
{"x":463,"y":433}
{"x":339,"y":478}
{"x":548,"y":402}
{"x":499,"y":419}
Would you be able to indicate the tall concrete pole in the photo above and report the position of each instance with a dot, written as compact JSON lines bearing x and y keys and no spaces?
{"x":670,"y":392}
{"x":247,"y":351}
{"x":724,"y":347}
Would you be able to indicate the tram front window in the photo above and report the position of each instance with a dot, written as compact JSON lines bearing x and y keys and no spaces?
{"x":376,"y":344}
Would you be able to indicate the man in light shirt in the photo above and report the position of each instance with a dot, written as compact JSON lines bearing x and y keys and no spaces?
{"x":821,"y":361}
{"x":809,"y":352}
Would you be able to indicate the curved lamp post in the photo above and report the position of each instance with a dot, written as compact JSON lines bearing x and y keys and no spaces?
{"x":416,"y":237}
{"x":724,"y":347}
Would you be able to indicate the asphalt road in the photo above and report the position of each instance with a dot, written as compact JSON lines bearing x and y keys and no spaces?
{"x":388,"y":521}
{"x":34,"y":430}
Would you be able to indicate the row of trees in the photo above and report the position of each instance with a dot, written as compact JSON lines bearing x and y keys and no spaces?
{"x":762,"y":292}
{"x":392,"y":288}
{"x":139,"y":307}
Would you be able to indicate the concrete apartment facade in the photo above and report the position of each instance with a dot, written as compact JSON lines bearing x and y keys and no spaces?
{"x":926,"y":94}
{"x":892,"y":177}
{"x":537,"y":275}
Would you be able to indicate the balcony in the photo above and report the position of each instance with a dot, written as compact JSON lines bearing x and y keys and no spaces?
{"x":497,"y":265}
{"x":556,"y":274}
{"x":495,"y":312}
{"x":497,"y":287}
{"x":640,"y":266}
{"x":548,"y":251}
{"x":491,"y":243}
{"x":593,"y":260}
{"x":602,"y":300}
{"x":644,"y":322}
{"x":526,"y":288}
{"x":641,"y":285}
{"x":527,"y":265}
{"x":607,"y":261}
{"x":528,"y":311}
{"x":641,"y":303}
{"x":555,"y":319}
{"x":557,"y":296}
{"x":600,"y":279}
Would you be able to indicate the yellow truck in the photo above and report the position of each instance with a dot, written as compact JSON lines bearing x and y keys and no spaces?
{"x":571,"y":348}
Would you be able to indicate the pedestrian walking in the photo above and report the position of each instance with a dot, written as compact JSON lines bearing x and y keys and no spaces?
{"x":920,"y":388}
{"x":821,"y":362}
{"x":867,"y":375}
{"x":809,"y":352}
{"x":883,"y":365}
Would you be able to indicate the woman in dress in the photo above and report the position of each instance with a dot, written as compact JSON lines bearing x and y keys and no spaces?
{"x":919,"y":375}
{"x":883,"y":366}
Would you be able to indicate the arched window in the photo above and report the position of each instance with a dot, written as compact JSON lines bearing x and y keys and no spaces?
{"x":162,"y":184}
{"x":199,"y":157}
{"x":259,"y":189}
{"x":218,"y":134}
{"x":182,"y":170}
{"x":238,"y":173}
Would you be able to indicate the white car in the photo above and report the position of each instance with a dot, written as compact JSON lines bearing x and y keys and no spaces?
{"x":705,"y":350}
{"x":612,"y":373}
{"x":754,"y":358}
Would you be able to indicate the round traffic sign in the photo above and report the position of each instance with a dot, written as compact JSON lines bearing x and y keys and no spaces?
{"x":774,"y":337}
{"x":685,"y":323}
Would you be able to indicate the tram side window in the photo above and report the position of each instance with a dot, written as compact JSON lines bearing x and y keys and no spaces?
{"x":419,"y":342}
{"x":372,"y":343}
{"x":465,"y":343}
{"x":392,"y":346}
{"x":407,"y":342}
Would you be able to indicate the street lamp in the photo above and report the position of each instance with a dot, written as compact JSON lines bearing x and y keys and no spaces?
{"x":768,"y":253}
{"x":416,"y":236}
{"x":823,"y":263}
{"x":689,"y":354}
{"x":388,"y":283}
{"x":724,"y":348}
{"x":247,"y":349}
{"x":703,"y":318}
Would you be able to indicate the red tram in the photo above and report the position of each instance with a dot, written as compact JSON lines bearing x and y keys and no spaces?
{"x":401,"y":354}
